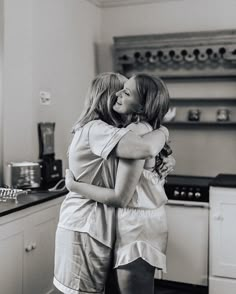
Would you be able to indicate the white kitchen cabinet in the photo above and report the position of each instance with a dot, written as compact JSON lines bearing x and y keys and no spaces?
{"x":222,"y":240}
{"x":11,"y":257}
{"x":27,"y":249}
{"x":187,"y":221}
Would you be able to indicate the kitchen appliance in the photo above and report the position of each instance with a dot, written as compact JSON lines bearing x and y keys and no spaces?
{"x":22,"y":175}
{"x":187,"y":250}
{"x":51,"y":168}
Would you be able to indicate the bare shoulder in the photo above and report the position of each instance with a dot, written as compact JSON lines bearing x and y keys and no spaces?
{"x":140,"y":128}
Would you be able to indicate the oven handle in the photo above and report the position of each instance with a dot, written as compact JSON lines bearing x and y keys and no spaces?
{"x":188,"y":204}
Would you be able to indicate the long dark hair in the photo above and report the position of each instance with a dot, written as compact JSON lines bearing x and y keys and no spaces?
{"x":155,"y":101}
{"x":154,"y":97}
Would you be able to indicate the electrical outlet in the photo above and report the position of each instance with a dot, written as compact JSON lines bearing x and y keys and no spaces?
{"x":45,"y":98}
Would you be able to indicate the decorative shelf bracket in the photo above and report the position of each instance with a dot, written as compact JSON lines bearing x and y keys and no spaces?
{"x":196,"y":54}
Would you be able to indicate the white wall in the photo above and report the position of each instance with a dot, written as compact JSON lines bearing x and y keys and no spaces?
{"x":1,"y":90}
{"x":48,"y":45}
{"x":51,"y":45}
{"x":64,"y":62}
{"x":17,"y":81}
{"x":163,"y":17}
{"x":197,"y":151}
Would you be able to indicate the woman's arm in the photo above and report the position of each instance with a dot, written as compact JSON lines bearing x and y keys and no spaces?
{"x":149,"y":145}
{"x":128,"y":174}
{"x":127,"y":177}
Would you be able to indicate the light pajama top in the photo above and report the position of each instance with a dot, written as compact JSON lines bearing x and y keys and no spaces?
{"x":90,"y":163}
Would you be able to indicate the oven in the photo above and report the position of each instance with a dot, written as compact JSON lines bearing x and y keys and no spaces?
{"x":188,"y":221}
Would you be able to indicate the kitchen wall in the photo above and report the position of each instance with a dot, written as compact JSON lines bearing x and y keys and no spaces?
{"x":168,"y":16}
{"x":1,"y":92}
{"x":18,"y":108}
{"x":49,"y":46}
{"x":64,"y":62}
{"x":53,"y":46}
{"x":198,"y":151}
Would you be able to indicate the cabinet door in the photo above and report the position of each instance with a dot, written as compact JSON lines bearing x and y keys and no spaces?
{"x":223,"y":232}
{"x":187,"y":243}
{"x":11,"y":257}
{"x":39,"y":244}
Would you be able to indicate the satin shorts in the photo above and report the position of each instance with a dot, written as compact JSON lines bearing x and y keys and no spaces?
{"x":81,"y":263}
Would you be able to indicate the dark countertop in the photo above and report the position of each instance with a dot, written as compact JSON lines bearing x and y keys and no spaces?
{"x":30,"y":199}
{"x":37,"y":197}
{"x":224,"y":180}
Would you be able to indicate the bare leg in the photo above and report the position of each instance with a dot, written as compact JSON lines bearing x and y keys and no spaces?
{"x":136,"y":277}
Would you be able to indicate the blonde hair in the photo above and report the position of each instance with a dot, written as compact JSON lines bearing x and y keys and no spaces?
{"x":100,"y":99}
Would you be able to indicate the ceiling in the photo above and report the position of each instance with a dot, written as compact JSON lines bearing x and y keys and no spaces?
{"x":114,"y":3}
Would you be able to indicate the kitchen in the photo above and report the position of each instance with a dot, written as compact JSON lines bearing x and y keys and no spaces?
{"x":58,"y":47}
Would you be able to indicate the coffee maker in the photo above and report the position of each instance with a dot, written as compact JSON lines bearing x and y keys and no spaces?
{"x":51,"y":168}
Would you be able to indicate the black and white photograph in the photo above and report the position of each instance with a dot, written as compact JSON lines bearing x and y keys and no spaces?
{"x":117,"y":147}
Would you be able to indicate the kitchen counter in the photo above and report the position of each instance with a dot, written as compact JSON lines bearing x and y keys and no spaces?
{"x":27,"y":242}
{"x":27,"y":200}
{"x":224,"y":180}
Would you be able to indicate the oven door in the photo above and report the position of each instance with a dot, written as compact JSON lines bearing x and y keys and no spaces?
{"x":187,"y":249}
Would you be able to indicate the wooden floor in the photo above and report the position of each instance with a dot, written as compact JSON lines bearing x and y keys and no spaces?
{"x":157,"y":291}
{"x":177,"y":288}
{"x":160,"y":289}
{"x":173,"y":291}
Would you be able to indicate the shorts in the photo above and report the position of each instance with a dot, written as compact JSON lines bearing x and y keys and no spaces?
{"x":141,"y":233}
{"x":81,"y":263}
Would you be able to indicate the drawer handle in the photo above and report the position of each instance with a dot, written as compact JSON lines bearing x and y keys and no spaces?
{"x":187,"y":204}
{"x":31,"y":247}
{"x":28,"y":248}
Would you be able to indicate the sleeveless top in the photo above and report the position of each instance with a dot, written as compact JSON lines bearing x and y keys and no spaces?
{"x":149,"y":193}
{"x":141,"y":227}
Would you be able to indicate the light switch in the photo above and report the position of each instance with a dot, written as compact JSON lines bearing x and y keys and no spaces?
{"x":45,"y":97}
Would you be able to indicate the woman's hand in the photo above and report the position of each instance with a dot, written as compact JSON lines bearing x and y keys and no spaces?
{"x":69,"y":180}
{"x":165,"y":131}
{"x":167,"y":166}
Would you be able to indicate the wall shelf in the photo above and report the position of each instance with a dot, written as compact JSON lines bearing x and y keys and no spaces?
{"x":178,"y":55}
{"x":204,"y":101}
{"x":200,"y":123}
{"x":208,"y":108}
{"x":202,"y":56}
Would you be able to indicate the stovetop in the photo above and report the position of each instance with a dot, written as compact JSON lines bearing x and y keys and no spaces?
{"x":188,"y":188}
{"x":189,"y":180}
